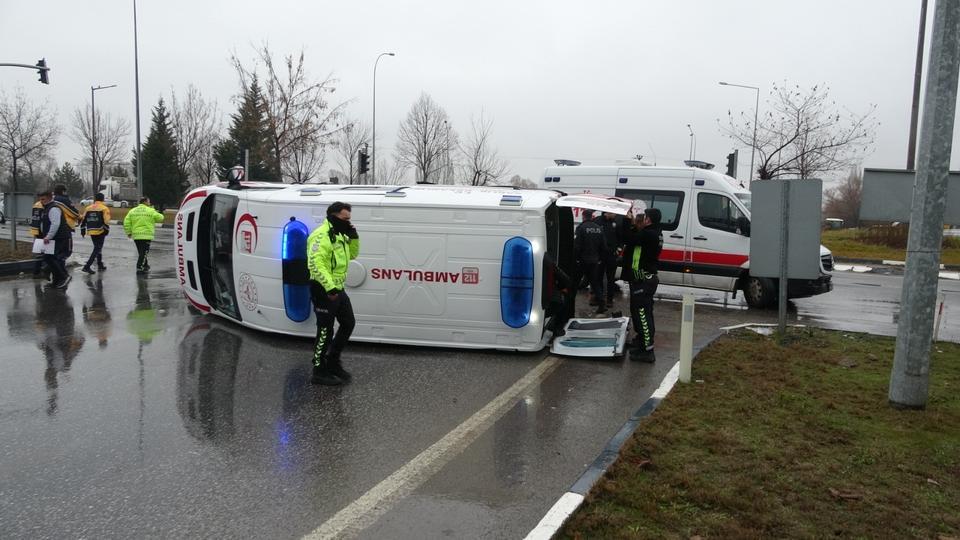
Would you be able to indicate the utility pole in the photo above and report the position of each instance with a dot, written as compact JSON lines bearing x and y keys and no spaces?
{"x":917,"y":76}
{"x":910,"y":378}
{"x":136,"y":94}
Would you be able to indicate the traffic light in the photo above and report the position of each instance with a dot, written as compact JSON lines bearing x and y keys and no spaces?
{"x":364,"y":161}
{"x":43,"y":70}
{"x":732,"y":163}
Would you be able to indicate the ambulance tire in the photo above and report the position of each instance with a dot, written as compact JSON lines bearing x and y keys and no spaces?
{"x":760,"y":293}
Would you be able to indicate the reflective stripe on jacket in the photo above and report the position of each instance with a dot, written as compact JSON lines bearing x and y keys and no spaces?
{"x":140,"y":222}
{"x":328,"y":255}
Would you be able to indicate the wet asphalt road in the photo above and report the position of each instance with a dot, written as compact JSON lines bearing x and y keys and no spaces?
{"x":125,"y":414}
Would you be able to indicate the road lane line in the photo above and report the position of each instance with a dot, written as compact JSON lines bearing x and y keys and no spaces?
{"x":364,"y":511}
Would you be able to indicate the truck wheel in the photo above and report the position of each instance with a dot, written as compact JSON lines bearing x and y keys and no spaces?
{"x":759,"y":292}
{"x":124,"y":204}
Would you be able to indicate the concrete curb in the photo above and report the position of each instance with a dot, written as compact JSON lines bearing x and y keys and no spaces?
{"x":886,"y":262}
{"x":569,"y":502}
{"x":14,"y":268}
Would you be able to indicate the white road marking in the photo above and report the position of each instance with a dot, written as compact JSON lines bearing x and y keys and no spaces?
{"x":364,"y":511}
{"x":556,"y":517}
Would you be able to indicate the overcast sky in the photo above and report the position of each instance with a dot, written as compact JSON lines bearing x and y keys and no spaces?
{"x":595,"y":81}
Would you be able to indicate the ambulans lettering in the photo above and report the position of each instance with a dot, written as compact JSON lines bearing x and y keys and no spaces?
{"x":471,"y":276}
{"x":180,"y":272}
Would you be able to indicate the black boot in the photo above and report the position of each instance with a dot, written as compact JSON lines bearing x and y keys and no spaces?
{"x":336,"y":367}
{"x":87,"y":269}
{"x":101,"y":266}
{"x":324,"y":376}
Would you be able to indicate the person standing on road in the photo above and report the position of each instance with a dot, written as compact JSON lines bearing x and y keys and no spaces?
{"x":140,"y":224}
{"x":644,"y":240}
{"x":95,"y":222}
{"x":36,"y":217}
{"x":608,"y":259}
{"x":54,"y":229}
{"x":330,"y":248}
{"x":589,"y":245}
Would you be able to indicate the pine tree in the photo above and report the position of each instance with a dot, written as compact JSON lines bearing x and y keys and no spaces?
{"x":69,"y":177}
{"x":248,"y":131}
{"x":162,"y":181}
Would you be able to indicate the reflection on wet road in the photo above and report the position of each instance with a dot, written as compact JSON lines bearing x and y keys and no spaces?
{"x":125,"y":414}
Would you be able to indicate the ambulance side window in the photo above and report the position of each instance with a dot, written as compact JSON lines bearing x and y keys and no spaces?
{"x":670,"y":204}
{"x":718,"y":212}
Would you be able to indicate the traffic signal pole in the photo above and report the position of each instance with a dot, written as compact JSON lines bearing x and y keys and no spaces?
{"x":40,"y":66}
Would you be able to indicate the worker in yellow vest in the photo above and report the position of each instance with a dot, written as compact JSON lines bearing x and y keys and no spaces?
{"x":96,"y":223}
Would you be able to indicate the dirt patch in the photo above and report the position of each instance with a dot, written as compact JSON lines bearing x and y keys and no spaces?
{"x":22,"y":253}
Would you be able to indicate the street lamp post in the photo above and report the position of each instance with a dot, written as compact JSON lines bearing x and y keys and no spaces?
{"x":756,"y":108}
{"x":693,"y":143}
{"x":373,"y":166}
{"x":93,"y":137}
{"x":136,"y":84}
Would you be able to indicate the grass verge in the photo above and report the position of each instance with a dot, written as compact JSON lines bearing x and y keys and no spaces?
{"x":792,"y":441}
{"x":169,"y":216}
{"x":845,"y":244}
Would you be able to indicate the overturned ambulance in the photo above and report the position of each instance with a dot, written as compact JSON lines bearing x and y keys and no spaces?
{"x":439,"y":266}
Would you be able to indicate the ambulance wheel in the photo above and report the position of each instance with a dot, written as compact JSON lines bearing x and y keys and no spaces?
{"x":759,"y":292}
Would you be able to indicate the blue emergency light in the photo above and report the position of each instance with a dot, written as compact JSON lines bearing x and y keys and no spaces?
{"x":516,"y":282}
{"x":296,"y":276}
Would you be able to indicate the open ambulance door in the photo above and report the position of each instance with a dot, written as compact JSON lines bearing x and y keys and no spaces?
{"x":594,"y":338}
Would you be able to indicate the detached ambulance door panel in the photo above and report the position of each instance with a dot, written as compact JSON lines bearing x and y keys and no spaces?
{"x":671,"y":205}
{"x":419,"y":277}
{"x":716,"y":245}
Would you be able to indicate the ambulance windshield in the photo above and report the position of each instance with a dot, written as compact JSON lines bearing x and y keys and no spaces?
{"x":745,"y":199}
{"x":215,"y":252}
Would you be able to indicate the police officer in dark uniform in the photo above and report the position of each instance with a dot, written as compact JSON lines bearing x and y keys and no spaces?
{"x":644,"y":241}
{"x":609,"y":257}
{"x":589,"y":246}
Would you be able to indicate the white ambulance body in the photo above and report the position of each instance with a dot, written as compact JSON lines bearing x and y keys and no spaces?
{"x":438,"y":266}
{"x":706,"y":225}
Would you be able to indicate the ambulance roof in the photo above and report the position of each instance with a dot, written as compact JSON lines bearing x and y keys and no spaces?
{"x":410,"y":195}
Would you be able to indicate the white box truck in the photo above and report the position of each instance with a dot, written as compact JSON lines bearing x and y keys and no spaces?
{"x":706,"y":225}
{"x":439,"y":265}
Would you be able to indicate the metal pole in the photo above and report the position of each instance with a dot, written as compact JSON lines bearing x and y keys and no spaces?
{"x":246,"y":164}
{"x":756,"y":111}
{"x":917,"y":76}
{"x":93,"y":142}
{"x":93,"y":137}
{"x":136,"y":83}
{"x":373,"y":139}
{"x":686,"y":338}
{"x":782,"y":282}
{"x":910,"y":378}
{"x":691,"y":142}
{"x":753,"y":149}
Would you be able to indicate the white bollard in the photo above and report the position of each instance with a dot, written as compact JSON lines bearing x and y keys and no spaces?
{"x":686,"y":338}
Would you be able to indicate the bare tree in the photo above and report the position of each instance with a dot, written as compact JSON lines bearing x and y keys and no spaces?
{"x":843,"y":201}
{"x":421,"y":143}
{"x":196,"y":123}
{"x":205,"y":167}
{"x":26,"y":131}
{"x":390,"y":173}
{"x":305,"y":159}
{"x":299,"y":115}
{"x":804,"y":134}
{"x":519,"y":182}
{"x":111,"y":140}
{"x":482,"y":164}
{"x":355,"y":135}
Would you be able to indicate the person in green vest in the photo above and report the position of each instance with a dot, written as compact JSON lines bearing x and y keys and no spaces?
{"x":330,"y":248}
{"x":140,"y":224}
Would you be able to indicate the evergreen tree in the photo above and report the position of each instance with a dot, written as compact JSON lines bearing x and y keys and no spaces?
{"x":162,"y":181}
{"x":249,"y":131}
{"x":69,"y":177}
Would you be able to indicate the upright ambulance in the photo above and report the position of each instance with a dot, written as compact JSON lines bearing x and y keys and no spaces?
{"x":706,"y":225}
{"x":438,"y":266}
